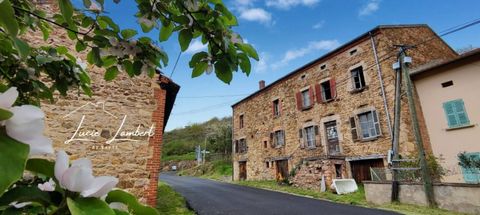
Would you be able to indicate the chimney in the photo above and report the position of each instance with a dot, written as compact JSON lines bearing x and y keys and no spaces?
{"x":261,"y":84}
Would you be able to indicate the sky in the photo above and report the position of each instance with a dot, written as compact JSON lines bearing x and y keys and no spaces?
{"x":288,"y":34}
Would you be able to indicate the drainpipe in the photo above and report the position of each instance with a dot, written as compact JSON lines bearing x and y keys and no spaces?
{"x":232,"y":153}
{"x":382,"y":88}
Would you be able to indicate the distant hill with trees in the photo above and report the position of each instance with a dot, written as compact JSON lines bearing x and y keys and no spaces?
{"x":179,"y":144}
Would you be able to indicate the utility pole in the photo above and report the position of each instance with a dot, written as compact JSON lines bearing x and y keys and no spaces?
{"x":396,"y":128}
{"x":427,"y":180}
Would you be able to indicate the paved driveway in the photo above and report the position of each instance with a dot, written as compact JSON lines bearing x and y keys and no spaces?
{"x":208,"y":197}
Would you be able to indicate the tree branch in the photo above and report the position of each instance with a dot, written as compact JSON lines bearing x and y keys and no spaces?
{"x":50,"y":21}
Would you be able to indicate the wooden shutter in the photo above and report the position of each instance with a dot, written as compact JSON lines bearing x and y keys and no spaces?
{"x":312,"y":98}
{"x":333,"y":88}
{"x":283,"y":137}
{"x":353,"y":129}
{"x":317,"y":136}
{"x":272,"y":138}
{"x":302,"y":139}
{"x":376,"y":123}
{"x":279,"y":107}
{"x":273,"y":107}
{"x":448,"y":107}
{"x":299,"y":101}
{"x":318,"y":93}
{"x":462,"y":117}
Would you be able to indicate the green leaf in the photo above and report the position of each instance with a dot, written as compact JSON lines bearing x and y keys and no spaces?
{"x":249,"y":50}
{"x":223,"y":71}
{"x":128,"y":199}
{"x":245,"y":63}
{"x":166,"y":31}
{"x":7,"y":18}
{"x":102,"y":24}
{"x":199,"y":69}
{"x":5,"y":114}
{"x":45,"y":30}
{"x":128,"y":68}
{"x":87,"y":90}
{"x":67,"y":10}
{"x":80,"y":46}
{"x":109,"y":21}
{"x":197,"y":58}
{"x":128,"y":33}
{"x":13,"y":156}
{"x":111,"y":73}
{"x":119,"y":212}
{"x":109,"y":61}
{"x":88,"y":206}
{"x":184,"y":38}
{"x":87,"y":3}
{"x":22,"y":47}
{"x":42,"y":166}
{"x":25,"y":194}
{"x":146,"y":28}
{"x":96,"y":56}
{"x":62,"y":50}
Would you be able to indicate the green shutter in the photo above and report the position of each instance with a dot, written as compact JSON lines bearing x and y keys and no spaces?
{"x":472,"y":175}
{"x":450,"y":112}
{"x":461,"y":113}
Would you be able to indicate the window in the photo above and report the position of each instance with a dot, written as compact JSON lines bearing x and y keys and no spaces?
{"x":456,"y":114}
{"x":472,"y":175}
{"x":279,"y":138}
{"x":369,"y":124}
{"x":306,"y":98}
{"x":352,"y":52}
{"x":358,"y":79}
{"x":276,"y":107}
{"x":323,"y":67}
{"x":241,"y":121}
{"x":265,"y":145}
{"x":447,"y":84}
{"x":310,"y":136}
{"x":338,"y":170}
{"x":241,"y":146}
{"x":267,"y":164}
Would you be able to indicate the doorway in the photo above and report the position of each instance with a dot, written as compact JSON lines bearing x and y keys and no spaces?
{"x":332,"y":138}
{"x":282,"y":169}
{"x":242,"y":167}
{"x":361,"y":169}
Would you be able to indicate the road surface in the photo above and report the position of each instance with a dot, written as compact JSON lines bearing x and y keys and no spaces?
{"x":208,"y":197}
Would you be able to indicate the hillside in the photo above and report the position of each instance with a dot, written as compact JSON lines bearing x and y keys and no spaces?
{"x":179,"y":144}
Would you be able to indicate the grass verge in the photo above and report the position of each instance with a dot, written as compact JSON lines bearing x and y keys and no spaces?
{"x":357,"y":198}
{"x":217,"y":170}
{"x":170,"y":202}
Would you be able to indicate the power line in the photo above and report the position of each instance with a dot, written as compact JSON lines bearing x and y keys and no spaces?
{"x":211,"y":96}
{"x":175,"y":65}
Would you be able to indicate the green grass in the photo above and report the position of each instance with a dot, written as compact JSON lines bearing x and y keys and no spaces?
{"x":184,"y":157}
{"x":217,"y":170}
{"x":170,"y":202}
{"x":357,"y":198}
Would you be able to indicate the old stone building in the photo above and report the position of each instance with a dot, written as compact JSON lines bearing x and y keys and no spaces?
{"x":333,"y":116}
{"x":119,"y":128}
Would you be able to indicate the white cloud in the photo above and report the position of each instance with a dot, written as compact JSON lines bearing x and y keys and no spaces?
{"x":256,"y":15}
{"x":311,"y":47}
{"x":319,"y":25}
{"x":195,"y":47}
{"x":287,"y":4}
{"x":369,"y":8}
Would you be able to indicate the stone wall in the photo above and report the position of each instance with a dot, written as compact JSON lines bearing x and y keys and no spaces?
{"x":259,"y":121}
{"x":309,"y":174}
{"x":138,"y":101}
{"x":450,"y":196}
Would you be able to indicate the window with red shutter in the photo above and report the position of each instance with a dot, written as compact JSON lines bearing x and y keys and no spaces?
{"x":318,"y":93}
{"x":299,"y":101}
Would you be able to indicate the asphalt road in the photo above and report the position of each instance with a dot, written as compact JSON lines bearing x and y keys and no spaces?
{"x":208,"y":197}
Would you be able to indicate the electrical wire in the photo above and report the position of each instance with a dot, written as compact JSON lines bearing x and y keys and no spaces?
{"x":175,"y":65}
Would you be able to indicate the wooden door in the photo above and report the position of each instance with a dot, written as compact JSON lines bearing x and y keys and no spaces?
{"x":282,"y":170}
{"x":361,"y":169}
{"x":332,"y":138}
{"x":242,"y":166}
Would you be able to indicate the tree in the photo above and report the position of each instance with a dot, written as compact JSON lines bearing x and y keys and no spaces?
{"x":112,"y":48}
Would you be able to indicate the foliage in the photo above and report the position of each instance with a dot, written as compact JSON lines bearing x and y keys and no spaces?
{"x":185,"y":157}
{"x":436,"y":170}
{"x":183,"y":140}
{"x":39,"y":72}
{"x":218,"y":170}
{"x":170,"y":202}
{"x":466,"y":161}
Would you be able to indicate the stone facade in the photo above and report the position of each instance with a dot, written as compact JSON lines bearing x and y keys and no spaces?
{"x":122,"y":105}
{"x":261,"y":157}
